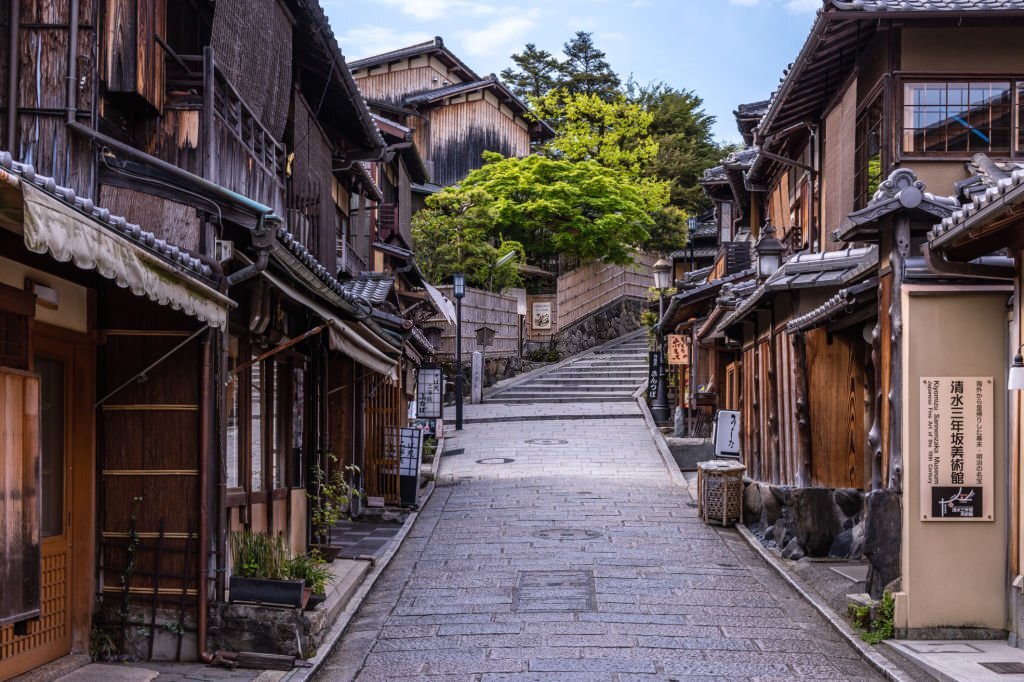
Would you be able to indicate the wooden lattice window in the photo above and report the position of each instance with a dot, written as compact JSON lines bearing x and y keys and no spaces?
{"x":17,"y":308}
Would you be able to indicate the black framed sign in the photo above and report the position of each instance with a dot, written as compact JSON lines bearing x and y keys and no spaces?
{"x":430,"y":393}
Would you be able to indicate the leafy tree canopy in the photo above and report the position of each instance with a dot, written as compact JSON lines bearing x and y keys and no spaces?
{"x":585,"y":70}
{"x":615,"y":133}
{"x":549,"y":206}
{"x":453,"y":234}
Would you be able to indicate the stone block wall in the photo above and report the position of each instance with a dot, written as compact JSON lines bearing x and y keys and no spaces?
{"x":611,"y":322}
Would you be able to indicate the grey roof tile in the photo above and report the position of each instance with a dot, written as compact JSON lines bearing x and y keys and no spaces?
{"x":927,"y":5}
{"x":372,"y":288}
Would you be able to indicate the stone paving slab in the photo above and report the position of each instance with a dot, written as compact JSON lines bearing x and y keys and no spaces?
{"x":673,"y":598}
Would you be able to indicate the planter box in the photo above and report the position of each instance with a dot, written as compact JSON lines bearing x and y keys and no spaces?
{"x":268,"y":592}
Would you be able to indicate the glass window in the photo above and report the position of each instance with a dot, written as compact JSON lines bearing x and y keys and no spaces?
{"x":256,"y":427}
{"x":234,"y":444}
{"x":276,"y":417}
{"x":965,"y":117}
{"x":51,"y":435}
{"x":868,"y":153}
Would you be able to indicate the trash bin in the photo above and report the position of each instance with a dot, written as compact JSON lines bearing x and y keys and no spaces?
{"x":720,"y":491}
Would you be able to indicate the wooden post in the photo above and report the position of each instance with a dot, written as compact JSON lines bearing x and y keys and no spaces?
{"x":898,"y":259}
{"x":773,"y":404}
{"x":755,"y":415}
{"x":803,"y":416}
{"x":874,"y":398}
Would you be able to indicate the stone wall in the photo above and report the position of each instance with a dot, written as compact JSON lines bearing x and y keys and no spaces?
{"x":267,"y":629}
{"x":611,"y":322}
{"x":823,"y":522}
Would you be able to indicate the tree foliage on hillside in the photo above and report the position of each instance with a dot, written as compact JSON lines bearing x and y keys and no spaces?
{"x":582,"y":69}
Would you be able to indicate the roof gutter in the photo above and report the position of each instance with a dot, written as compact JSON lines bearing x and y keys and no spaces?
{"x":983,"y":268}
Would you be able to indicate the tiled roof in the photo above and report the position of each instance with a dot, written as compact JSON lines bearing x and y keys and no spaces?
{"x":373,"y":288}
{"x":114,"y":223}
{"x":901,"y":191}
{"x":741,"y":160}
{"x":927,"y":5}
{"x":435,"y":45}
{"x":489,"y":81}
{"x":1004,"y":192}
{"x":835,"y":306}
{"x":698,"y":252}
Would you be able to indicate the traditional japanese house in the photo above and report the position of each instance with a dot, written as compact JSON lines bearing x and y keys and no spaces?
{"x":885,"y":101}
{"x":231,"y":138}
{"x":455,"y":114}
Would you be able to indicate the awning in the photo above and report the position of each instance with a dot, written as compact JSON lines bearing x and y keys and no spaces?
{"x":69,"y":234}
{"x":348,"y":338}
{"x":444,"y":306}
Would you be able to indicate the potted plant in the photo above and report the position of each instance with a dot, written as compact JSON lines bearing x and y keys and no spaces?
{"x":332,"y":497}
{"x":314,"y":572}
{"x":260,"y":572}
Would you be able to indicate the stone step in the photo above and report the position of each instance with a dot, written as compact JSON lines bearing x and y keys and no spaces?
{"x":533,"y":396}
{"x":596,"y":374}
{"x":576,"y":381}
{"x":568,"y":399}
{"x":539,"y":389}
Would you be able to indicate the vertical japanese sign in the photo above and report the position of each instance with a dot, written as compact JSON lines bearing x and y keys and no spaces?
{"x":727,"y":434}
{"x":653,"y":374}
{"x":429,"y":393}
{"x":956,"y":434}
{"x":678,"y":350}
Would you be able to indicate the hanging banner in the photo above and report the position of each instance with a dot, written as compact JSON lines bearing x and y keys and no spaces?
{"x":678,"y":350}
{"x":956,"y":436}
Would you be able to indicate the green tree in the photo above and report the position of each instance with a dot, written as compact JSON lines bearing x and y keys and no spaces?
{"x":585,"y":70}
{"x":537,"y":74}
{"x":554,"y":206}
{"x":453,"y":234}
{"x":682,"y":130}
{"x":668,"y":233}
{"x":615,"y":133}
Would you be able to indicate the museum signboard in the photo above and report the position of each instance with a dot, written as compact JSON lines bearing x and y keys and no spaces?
{"x":957,"y":443}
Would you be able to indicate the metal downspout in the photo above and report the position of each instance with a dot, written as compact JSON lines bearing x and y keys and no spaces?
{"x":12,"y":75}
{"x":205,"y":435}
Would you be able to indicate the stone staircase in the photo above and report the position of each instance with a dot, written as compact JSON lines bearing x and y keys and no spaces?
{"x":610,"y":374}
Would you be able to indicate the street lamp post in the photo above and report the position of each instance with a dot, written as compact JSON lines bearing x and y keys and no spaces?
{"x":662,"y":280}
{"x":459,"y":290}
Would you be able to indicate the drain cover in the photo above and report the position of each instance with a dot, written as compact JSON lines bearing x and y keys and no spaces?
{"x":566,"y":534}
{"x":453,"y":452}
{"x":559,"y":591}
{"x":547,"y":441}
{"x":495,"y":460}
{"x":1010,"y":668}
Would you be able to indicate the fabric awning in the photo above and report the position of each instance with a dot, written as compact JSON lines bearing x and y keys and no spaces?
{"x":348,"y":338}
{"x":51,"y":225}
{"x":443,"y":305}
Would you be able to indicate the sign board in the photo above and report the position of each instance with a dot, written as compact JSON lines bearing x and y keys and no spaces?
{"x":956,"y":449}
{"x":542,"y":315}
{"x":404,"y":446}
{"x":678,"y":350}
{"x":430,"y":393}
{"x":727,"y":434}
{"x":653,"y":374}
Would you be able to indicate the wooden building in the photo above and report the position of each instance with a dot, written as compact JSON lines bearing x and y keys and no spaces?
{"x":455,"y":114}
{"x":208,"y":159}
{"x":895,"y":116}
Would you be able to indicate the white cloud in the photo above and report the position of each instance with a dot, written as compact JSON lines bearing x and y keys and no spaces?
{"x":366,"y":41}
{"x":499,"y":37}
{"x":795,"y":6}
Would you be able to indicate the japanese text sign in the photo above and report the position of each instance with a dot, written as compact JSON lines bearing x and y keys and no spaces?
{"x":678,"y":350}
{"x":956,"y":449}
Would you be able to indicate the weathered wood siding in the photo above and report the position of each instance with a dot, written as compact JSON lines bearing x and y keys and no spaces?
{"x":391,"y":82}
{"x":133,"y":62}
{"x":464,"y":129}
{"x":838,"y":172}
{"x":789,"y":450}
{"x":177,"y":223}
{"x":148,"y":454}
{"x":590,"y":288}
{"x":42,"y":139}
{"x":311,"y":172}
{"x":19,"y":495}
{"x":480,"y":309}
{"x":835,"y":367}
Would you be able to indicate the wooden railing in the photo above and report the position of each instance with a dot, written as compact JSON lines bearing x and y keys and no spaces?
{"x":245,"y":157}
{"x":387,"y":220}
{"x":590,"y":288}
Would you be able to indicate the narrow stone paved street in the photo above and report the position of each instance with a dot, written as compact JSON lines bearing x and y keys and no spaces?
{"x":559,"y":550}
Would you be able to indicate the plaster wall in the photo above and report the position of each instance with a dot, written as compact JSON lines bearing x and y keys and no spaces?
{"x":963,"y":49}
{"x":73,"y":307}
{"x":953,"y":572}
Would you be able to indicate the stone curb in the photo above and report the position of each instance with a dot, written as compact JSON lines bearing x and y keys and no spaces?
{"x":348,"y":613}
{"x":659,"y":441}
{"x":501,"y":387}
{"x":876,"y":660}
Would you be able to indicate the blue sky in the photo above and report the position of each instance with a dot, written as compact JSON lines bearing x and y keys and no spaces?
{"x":727,"y":51}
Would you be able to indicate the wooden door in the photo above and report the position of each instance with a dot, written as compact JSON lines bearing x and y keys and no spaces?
{"x":35,"y":642}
